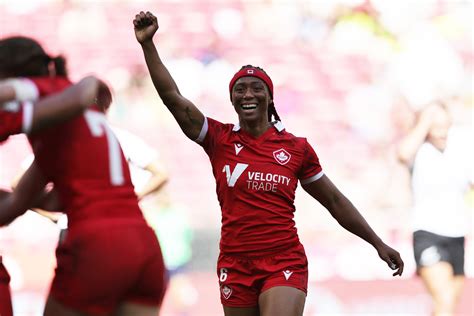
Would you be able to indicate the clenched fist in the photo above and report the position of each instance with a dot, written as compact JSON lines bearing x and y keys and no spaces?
{"x":146,"y":25}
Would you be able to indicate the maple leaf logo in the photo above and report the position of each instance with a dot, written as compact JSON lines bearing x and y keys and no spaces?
{"x":281,"y":156}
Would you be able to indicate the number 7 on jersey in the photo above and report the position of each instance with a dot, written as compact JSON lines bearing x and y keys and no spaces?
{"x":98,"y":126}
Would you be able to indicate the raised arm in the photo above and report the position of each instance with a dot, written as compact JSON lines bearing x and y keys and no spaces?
{"x":188,"y":116}
{"x":349,"y":217}
{"x":410,"y":144}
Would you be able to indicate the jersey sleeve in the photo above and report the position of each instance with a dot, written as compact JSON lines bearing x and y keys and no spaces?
{"x":209,"y":136}
{"x":311,"y":169}
{"x":15,"y":118}
{"x":47,"y":85}
{"x":25,"y":89}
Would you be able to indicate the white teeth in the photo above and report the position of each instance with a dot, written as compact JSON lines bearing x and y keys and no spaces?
{"x":249,"y":106}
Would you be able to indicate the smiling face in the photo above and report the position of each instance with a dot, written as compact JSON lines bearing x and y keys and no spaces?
{"x":250,"y":97}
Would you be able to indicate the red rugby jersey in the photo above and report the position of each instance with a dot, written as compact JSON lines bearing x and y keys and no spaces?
{"x":84,"y":160}
{"x":15,"y":118}
{"x":256,"y":180}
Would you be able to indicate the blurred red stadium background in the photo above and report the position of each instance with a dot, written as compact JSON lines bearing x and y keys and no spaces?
{"x":348,"y":76}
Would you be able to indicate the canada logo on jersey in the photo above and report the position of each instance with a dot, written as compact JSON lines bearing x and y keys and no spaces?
{"x":226,"y":291}
{"x":282,"y":156}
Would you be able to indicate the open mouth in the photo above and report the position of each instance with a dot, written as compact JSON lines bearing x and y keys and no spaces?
{"x":251,"y":106}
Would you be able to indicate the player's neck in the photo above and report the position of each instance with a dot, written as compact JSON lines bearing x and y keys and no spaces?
{"x":255,"y":129}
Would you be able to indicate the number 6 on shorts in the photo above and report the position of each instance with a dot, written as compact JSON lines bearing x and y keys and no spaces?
{"x":223,"y":275}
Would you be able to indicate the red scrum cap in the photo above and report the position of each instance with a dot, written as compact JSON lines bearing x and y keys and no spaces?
{"x":251,"y":72}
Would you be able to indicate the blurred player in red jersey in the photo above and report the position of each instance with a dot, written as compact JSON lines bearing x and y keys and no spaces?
{"x":23,"y":117}
{"x":262,"y":266}
{"x":5,"y":296}
{"x":110,"y":261}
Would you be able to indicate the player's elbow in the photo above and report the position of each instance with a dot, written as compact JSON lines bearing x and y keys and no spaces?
{"x":87,"y":91}
{"x":170,"y":98}
{"x":403,"y":156}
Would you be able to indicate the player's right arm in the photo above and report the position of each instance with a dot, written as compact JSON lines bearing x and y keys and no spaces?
{"x":47,"y":204}
{"x":27,"y":194}
{"x":188,"y":116}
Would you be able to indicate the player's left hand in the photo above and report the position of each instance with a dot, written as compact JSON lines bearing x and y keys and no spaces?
{"x":392,"y":258}
{"x":95,"y":91}
{"x":104,"y":96}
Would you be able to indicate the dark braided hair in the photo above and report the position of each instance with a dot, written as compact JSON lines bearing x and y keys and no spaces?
{"x":271,"y":107}
{"x":24,"y":57}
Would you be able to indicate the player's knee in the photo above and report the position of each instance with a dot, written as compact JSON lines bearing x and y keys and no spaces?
{"x":445,"y":301}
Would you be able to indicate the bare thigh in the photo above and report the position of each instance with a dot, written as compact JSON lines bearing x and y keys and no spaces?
{"x":443,"y":286}
{"x":133,"y":309}
{"x":458,"y":285}
{"x":282,"y":301}
{"x":54,"y":308}
{"x":241,"y":311}
{"x":438,"y":278}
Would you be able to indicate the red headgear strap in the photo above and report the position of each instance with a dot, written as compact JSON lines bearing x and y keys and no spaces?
{"x":251,"y":72}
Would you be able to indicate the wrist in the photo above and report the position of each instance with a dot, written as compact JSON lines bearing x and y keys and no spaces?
{"x":425,"y":125}
{"x":139,"y":195}
{"x":377,"y":243}
{"x":422,"y":130}
{"x":147,"y":43}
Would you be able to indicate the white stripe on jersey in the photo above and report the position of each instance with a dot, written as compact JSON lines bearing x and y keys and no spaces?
{"x":203,"y":132}
{"x":27,"y":117}
{"x":25,"y":89}
{"x":313,"y":178}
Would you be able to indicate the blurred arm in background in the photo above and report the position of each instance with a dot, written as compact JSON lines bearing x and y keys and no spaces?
{"x":157,"y":180}
{"x":147,"y":171}
{"x":410,"y":144}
